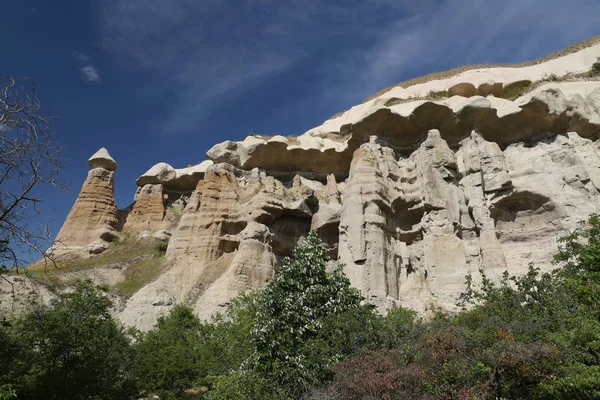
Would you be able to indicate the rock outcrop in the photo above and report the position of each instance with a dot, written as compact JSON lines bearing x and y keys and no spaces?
{"x":92,"y":222}
{"x":410,"y":193}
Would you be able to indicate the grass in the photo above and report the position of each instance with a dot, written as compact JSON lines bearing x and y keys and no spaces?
{"x":139,"y":275}
{"x":436,"y":95}
{"x":144,"y":259}
{"x":515,"y":93}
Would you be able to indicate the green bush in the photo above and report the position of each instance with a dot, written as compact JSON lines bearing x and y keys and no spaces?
{"x":290,"y":315}
{"x":306,"y":334}
{"x":169,"y":358}
{"x":596,"y":66}
{"x":242,"y":385}
{"x":535,"y":336}
{"x":182,"y":352}
{"x":72,"y":350}
{"x":161,"y":247}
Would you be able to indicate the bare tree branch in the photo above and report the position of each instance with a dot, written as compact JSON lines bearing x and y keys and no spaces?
{"x":29,"y":158}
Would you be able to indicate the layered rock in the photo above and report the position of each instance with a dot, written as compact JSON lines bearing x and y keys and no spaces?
{"x":148,"y":209}
{"x":411,"y":194}
{"x":161,"y":197}
{"x":92,"y":222}
{"x":550,"y":109}
{"x":232,"y":230}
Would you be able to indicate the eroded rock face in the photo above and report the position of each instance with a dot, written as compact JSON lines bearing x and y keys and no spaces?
{"x":92,"y":222}
{"x":408,"y":225}
{"x":183,"y":179}
{"x":410,"y":195}
{"x":148,"y":209}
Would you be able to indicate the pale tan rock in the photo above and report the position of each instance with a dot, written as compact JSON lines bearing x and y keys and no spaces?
{"x":148,"y":210}
{"x":183,"y":179}
{"x":93,"y":217}
{"x":160,"y":173}
{"x":410,"y":196}
{"x":101,"y":159}
{"x":546,"y":110}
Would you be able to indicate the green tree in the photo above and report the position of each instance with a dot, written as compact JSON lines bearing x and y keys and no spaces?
{"x":291,"y":349}
{"x":72,"y":350}
{"x":168,"y":359}
{"x":183,"y":352}
{"x":596,"y":66}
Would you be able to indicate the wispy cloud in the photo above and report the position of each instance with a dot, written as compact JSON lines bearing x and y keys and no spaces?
{"x":202,"y":52}
{"x":454,"y":33}
{"x":211,"y":49}
{"x":88,"y":71}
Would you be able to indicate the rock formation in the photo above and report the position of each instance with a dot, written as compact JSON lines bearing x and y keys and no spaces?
{"x":92,"y":222}
{"x":411,"y":193}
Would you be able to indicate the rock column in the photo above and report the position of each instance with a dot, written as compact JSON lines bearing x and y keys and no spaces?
{"x":91,"y":223}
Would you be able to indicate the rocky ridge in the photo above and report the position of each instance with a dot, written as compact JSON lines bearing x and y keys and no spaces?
{"x":409,"y":190}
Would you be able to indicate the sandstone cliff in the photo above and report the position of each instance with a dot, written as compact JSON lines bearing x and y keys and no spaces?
{"x":411,"y":190}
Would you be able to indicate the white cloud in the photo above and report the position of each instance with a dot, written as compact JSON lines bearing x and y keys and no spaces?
{"x":204,"y":51}
{"x":455,"y":33}
{"x":88,"y":71}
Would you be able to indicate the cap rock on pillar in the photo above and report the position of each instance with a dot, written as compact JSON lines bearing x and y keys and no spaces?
{"x":101,"y":159}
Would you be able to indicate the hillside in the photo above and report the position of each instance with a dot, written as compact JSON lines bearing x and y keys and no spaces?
{"x":422,"y":184}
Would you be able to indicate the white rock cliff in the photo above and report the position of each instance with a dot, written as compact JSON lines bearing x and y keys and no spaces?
{"x":410,"y":193}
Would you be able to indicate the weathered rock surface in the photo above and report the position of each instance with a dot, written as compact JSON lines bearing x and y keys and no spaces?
{"x":101,"y":159}
{"x":184,"y":179}
{"x":92,"y":222}
{"x":410,"y":196}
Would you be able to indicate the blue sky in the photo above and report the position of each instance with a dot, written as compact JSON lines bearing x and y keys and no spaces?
{"x":165,"y":80}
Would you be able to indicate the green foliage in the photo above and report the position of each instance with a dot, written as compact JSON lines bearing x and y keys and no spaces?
{"x":115,"y":240}
{"x":580,"y":275}
{"x":516,"y":92}
{"x":7,"y":392}
{"x":551,"y":77}
{"x":596,"y":66}
{"x":291,"y":313}
{"x":160,"y":247}
{"x":72,"y":350}
{"x":242,"y":385}
{"x":306,"y":334}
{"x":529,"y":337}
{"x":167,"y":358}
{"x":182,"y":352}
{"x":437,"y":95}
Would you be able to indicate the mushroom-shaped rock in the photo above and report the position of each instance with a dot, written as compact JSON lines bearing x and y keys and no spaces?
{"x":187,"y":178}
{"x":101,"y":159}
{"x":160,"y":173}
{"x":465,"y":89}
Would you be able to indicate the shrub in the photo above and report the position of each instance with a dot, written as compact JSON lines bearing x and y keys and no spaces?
{"x":169,"y":359}
{"x":290,"y":315}
{"x":596,"y":66}
{"x":243,"y":385}
{"x":72,"y":350}
{"x":182,"y":352}
{"x":161,"y":247}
